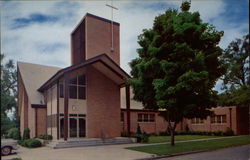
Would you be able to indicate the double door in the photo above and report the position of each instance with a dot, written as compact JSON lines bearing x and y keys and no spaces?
{"x":76,"y":127}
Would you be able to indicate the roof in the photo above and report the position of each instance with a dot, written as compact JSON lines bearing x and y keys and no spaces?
{"x":101,"y":62}
{"x":33,"y":76}
{"x":37,"y":76}
{"x":96,"y":17}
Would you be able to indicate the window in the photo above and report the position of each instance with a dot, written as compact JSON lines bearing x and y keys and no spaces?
{"x":73,"y":92}
{"x":152,"y":118}
{"x":224,"y":119}
{"x":146,"y":117}
{"x":61,"y":92}
{"x":77,"y":87}
{"x":219,"y":119}
{"x":139,"y":117}
{"x":197,"y":121}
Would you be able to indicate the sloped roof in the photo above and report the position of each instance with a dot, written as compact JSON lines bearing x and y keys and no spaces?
{"x":33,"y":76}
{"x":102,"y":62}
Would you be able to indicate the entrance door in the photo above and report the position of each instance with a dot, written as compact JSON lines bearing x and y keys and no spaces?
{"x":82,"y":123}
{"x":72,"y":127}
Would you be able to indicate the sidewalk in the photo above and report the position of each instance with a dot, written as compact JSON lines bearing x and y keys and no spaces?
{"x":108,"y":152}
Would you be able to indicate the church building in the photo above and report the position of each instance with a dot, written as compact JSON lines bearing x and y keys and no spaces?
{"x":88,"y":99}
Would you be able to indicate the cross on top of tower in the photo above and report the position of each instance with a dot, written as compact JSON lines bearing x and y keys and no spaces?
{"x":112,"y":30}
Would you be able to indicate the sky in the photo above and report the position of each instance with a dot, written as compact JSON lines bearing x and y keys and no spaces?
{"x":39,"y":31}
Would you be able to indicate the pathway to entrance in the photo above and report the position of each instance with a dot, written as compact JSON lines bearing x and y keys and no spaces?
{"x":108,"y":152}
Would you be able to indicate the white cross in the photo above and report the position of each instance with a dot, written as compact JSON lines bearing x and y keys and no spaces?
{"x":112,"y":31}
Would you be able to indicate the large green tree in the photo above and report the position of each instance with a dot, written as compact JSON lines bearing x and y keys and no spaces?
{"x":236,"y":61}
{"x":236,"y":80}
{"x":178,"y":66}
{"x":8,"y":95}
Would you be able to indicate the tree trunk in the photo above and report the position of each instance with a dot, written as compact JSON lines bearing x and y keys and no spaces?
{"x":172,"y":136}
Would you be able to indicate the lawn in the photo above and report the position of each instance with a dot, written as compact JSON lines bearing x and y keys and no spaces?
{"x":166,"y":149}
{"x":161,"y":139}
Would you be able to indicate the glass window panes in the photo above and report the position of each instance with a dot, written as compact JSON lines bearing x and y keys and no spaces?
{"x":81,"y":92}
{"x":81,"y":80}
{"x":139,"y":117}
{"x":73,"y":92}
{"x":73,"y":80}
{"x":61,"y":90}
{"x":224,"y":119}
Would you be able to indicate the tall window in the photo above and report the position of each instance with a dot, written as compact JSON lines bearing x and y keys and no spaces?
{"x":61,"y":92}
{"x":77,"y":87}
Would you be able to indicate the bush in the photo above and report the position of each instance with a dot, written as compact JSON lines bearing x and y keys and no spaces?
{"x":164,"y":133}
{"x":30,"y":143}
{"x":14,"y":133}
{"x":228,"y":132}
{"x":138,"y":131}
{"x":26,"y":134}
{"x":33,"y":143}
{"x":144,"y":138}
{"x":45,"y":137}
{"x":218,"y":133}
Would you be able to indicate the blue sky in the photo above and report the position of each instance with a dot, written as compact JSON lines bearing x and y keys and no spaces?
{"x":39,"y":31}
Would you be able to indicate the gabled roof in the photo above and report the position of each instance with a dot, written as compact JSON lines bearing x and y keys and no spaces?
{"x":33,"y":76}
{"x":101,"y":62}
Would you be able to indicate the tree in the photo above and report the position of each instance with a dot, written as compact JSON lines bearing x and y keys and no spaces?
{"x":236,"y":61}
{"x":8,"y":94}
{"x":177,"y":67}
{"x":236,"y":80}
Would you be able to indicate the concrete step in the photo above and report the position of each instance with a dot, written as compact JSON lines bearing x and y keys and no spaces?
{"x":90,"y":142}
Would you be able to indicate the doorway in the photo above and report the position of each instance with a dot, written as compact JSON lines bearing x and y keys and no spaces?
{"x":76,"y":126}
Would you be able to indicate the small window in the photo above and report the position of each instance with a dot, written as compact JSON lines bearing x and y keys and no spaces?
{"x":151,"y":117}
{"x":61,"y":92}
{"x":224,"y":119}
{"x":201,"y":120}
{"x":212,"y":119}
{"x":193,"y":120}
{"x":145,"y":118}
{"x":73,"y":92}
{"x":81,"y":80}
{"x":219,"y":119}
{"x":139,"y":117}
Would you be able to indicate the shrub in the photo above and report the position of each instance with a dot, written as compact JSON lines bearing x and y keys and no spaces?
{"x":144,"y":138}
{"x":218,"y":133}
{"x":45,"y":136}
{"x":14,"y":133}
{"x":138,"y":131}
{"x":164,"y":133}
{"x":228,"y":132}
{"x":30,"y":143}
{"x":26,"y":134}
{"x":33,"y":143}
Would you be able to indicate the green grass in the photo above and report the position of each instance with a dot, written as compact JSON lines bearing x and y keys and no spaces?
{"x":166,"y":149}
{"x":161,"y":139}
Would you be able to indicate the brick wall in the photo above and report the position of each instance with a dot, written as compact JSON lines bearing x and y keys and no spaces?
{"x":103,"y":106}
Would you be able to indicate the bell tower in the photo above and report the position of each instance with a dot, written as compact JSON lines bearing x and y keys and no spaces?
{"x":94,"y":36}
